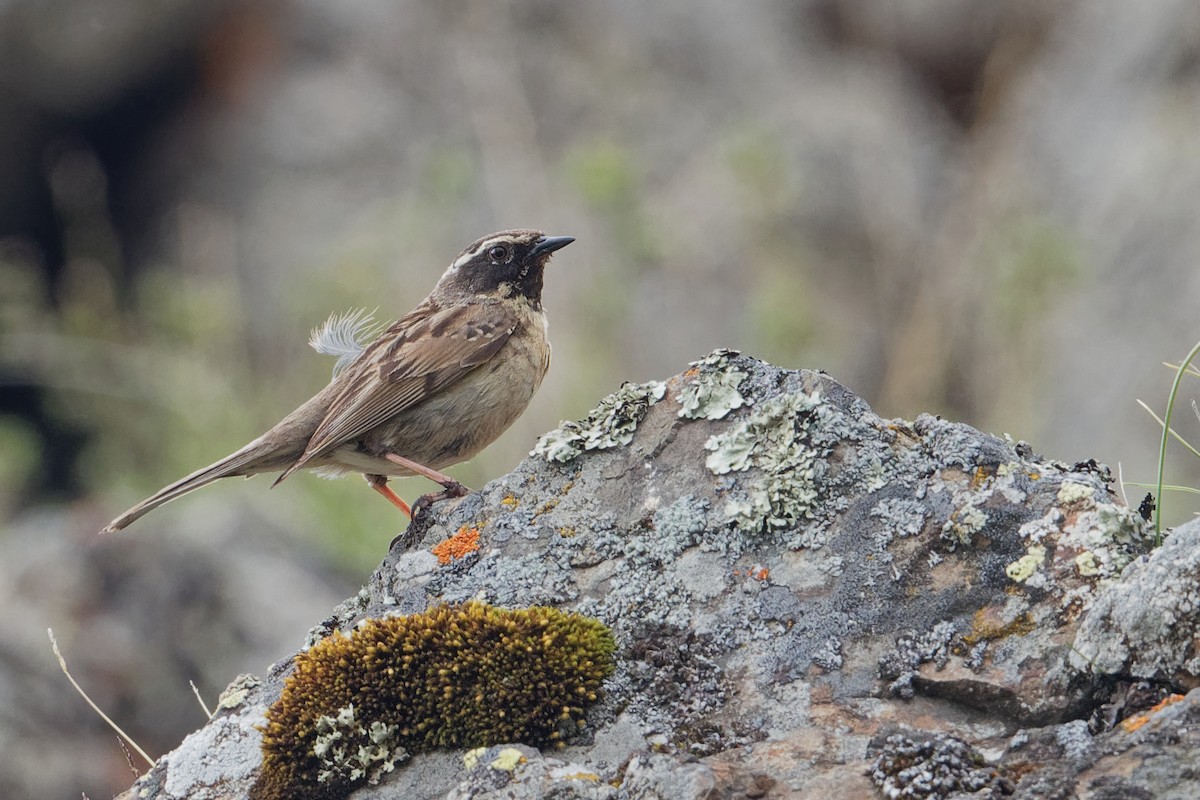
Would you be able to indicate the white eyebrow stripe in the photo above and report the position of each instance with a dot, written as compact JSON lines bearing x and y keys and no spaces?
{"x":464,"y":258}
{"x":469,"y":254}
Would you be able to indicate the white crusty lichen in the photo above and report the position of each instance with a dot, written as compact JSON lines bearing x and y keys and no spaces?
{"x":902,"y":517}
{"x":771,"y":439}
{"x":711,"y":391}
{"x":350,"y":750}
{"x":610,"y":424}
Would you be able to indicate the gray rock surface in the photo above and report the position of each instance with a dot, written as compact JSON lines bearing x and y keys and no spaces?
{"x":808,"y":601}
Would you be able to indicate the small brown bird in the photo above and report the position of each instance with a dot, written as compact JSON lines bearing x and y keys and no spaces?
{"x":431,"y":390}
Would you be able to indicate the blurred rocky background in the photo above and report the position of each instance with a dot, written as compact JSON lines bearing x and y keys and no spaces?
{"x":985,"y":210}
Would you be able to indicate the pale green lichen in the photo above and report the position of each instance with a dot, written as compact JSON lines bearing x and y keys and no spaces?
{"x":1112,"y":534}
{"x":1072,"y":492}
{"x":236,"y":693}
{"x":712,"y":391}
{"x":771,"y":439}
{"x":1085,"y":562}
{"x":1082,"y":539}
{"x":1027,"y":565}
{"x":963,"y":524}
{"x":610,"y":424}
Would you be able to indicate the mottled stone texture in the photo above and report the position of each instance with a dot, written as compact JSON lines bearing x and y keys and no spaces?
{"x":808,"y":601}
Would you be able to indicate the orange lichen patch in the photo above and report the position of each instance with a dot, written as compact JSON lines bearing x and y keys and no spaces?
{"x":757,"y":573}
{"x":1133,"y":723}
{"x":460,"y":544}
{"x":1169,"y":700}
{"x":510,"y":502}
{"x":691,"y":373}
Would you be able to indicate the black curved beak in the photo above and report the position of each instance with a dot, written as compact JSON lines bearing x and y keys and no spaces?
{"x":548,"y":244}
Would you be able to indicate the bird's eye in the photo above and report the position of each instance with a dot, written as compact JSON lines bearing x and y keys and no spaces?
{"x":498,"y":253}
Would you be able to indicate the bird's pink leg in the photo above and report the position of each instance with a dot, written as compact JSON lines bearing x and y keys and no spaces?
{"x":450,"y":487}
{"x":379,"y":484}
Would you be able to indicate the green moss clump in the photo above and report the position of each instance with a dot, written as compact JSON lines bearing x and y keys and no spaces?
{"x":467,"y":675}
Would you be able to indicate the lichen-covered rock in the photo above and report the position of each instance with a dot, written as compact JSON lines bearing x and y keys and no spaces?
{"x":1148,"y":624}
{"x":935,"y":766}
{"x":790,"y":580}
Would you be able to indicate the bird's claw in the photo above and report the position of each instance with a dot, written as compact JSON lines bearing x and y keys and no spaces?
{"x":450,"y":489}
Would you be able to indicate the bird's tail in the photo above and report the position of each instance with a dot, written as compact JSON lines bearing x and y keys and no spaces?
{"x":253,"y":458}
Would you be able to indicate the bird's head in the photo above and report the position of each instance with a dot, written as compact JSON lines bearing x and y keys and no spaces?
{"x":504,"y":264}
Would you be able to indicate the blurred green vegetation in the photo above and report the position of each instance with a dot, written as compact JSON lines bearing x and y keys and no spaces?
{"x":610,"y":181}
{"x":758,"y":158}
{"x":781,"y":319}
{"x":1034,"y":261}
{"x":19,"y":444}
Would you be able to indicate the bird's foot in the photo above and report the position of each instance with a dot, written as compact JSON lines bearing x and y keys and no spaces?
{"x":450,"y":489}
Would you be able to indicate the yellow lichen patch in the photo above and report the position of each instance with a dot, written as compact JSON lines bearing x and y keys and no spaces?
{"x":510,"y":502}
{"x":987,"y":627}
{"x":460,"y":544}
{"x":590,"y":777}
{"x":508,"y":759}
{"x":979,"y":477}
{"x":454,"y":676}
{"x":472,"y":756}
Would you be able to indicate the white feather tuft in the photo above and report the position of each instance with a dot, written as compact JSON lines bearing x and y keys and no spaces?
{"x":344,"y":336}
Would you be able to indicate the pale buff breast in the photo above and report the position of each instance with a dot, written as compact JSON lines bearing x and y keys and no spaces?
{"x":457,"y":423}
